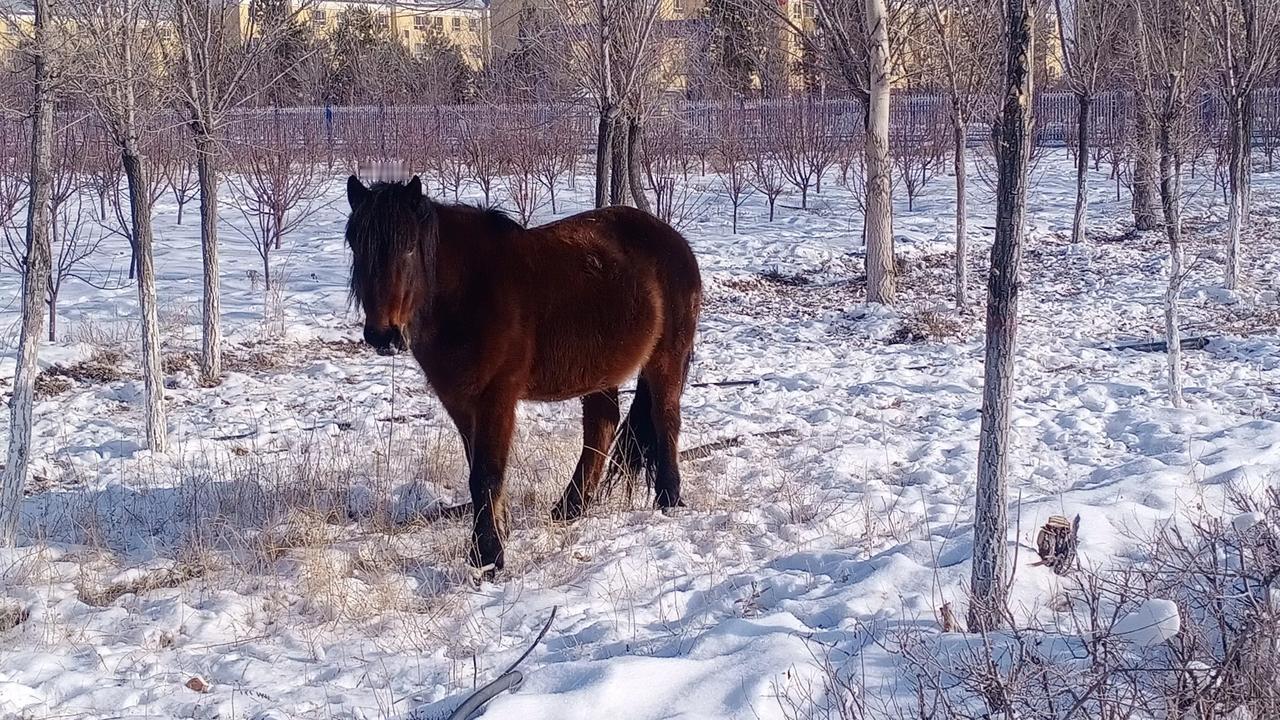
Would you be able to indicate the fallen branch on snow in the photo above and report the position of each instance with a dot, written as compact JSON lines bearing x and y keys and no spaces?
{"x":508,"y":680}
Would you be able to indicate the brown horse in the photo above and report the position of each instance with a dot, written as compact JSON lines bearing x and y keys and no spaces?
{"x":495,"y":314}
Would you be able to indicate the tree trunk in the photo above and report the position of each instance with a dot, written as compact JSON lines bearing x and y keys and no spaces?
{"x":604,"y":147}
{"x":962,"y":214}
{"x":211,"y":315}
{"x":1237,"y":186}
{"x":135,"y":171}
{"x":635,"y":134}
{"x":988,"y":608}
{"x":1170,"y":202}
{"x":619,"y":175}
{"x":53,"y":313}
{"x":1146,"y":181}
{"x":34,"y":286}
{"x":878,"y":226}
{"x":1083,"y":101}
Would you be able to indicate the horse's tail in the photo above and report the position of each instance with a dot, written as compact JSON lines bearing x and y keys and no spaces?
{"x":635,"y":447}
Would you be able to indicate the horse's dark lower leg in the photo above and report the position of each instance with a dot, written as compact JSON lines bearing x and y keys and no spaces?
{"x":599,"y":422}
{"x":666,"y":383}
{"x":490,"y":446}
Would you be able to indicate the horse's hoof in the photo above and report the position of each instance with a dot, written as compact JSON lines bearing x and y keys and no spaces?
{"x":673,"y":511}
{"x":566,"y":513}
{"x":486,"y":574}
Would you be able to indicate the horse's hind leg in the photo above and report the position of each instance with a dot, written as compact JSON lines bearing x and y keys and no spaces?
{"x":599,"y":422}
{"x":666,"y":375}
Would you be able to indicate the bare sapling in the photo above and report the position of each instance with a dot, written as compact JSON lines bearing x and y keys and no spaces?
{"x":916,"y":152}
{"x":525,"y":190}
{"x":1089,"y":30}
{"x":1245,"y":42}
{"x":734,"y":169}
{"x":989,"y":585}
{"x":766,"y":171}
{"x":1167,"y":69}
{"x":275,"y":189}
{"x":118,"y":73}
{"x":555,"y":153}
{"x":34,"y":278}
{"x":968,"y":65}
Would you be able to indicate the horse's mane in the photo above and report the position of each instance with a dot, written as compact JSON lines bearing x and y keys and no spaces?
{"x":497,"y":218}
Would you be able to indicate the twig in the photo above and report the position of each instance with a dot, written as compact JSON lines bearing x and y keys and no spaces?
{"x":509,"y":680}
{"x":697,"y":453}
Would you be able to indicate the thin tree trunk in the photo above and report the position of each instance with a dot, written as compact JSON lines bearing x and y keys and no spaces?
{"x":34,"y":286}
{"x":962,"y":216}
{"x":635,"y":134}
{"x":619,"y":176}
{"x":1146,"y":181}
{"x":1237,"y":188}
{"x":53,"y":314}
{"x":135,"y":171}
{"x":1170,"y":201}
{"x":988,"y":608}
{"x":211,"y":315}
{"x":878,"y":226}
{"x":604,"y":147}
{"x":1083,"y":101}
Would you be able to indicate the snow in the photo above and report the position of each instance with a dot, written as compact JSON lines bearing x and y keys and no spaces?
{"x":295,"y":492}
{"x":1151,"y":623}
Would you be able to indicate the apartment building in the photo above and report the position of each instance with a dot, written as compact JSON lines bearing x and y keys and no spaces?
{"x":464,"y":23}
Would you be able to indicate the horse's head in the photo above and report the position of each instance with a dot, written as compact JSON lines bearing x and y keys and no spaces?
{"x":392,"y":234}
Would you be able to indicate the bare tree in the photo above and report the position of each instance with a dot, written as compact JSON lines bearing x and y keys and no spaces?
{"x":917,"y":151}
{"x":525,"y":189}
{"x":766,"y":171}
{"x":1089,"y":30}
{"x":861,"y":43}
{"x":275,"y":189}
{"x":1167,"y":68}
{"x":35,"y":277}
{"x":219,"y":70}
{"x":968,"y":65}
{"x":555,"y":152}
{"x":988,"y":608}
{"x":117,"y":71}
{"x":1246,"y":42}
{"x":734,"y":170}
{"x":72,"y":242}
{"x":612,"y":50}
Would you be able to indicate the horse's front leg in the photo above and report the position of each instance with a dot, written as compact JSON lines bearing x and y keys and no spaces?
{"x":494,"y":422}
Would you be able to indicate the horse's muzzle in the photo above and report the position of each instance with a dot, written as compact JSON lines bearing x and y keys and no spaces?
{"x":386,"y":341}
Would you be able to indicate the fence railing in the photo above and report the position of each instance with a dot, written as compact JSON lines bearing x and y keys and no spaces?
{"x":404,"y":132}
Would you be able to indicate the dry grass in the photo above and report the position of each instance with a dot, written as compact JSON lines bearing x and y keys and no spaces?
{"x":928,"y":326}
{"x":102,"y":367}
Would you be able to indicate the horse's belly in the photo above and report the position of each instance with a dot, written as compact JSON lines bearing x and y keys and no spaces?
{"x":604,"y":349}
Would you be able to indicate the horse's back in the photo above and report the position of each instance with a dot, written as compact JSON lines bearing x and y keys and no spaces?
{"x":608,"y":285}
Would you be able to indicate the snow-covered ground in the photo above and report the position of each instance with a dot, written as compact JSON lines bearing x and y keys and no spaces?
{"x":275,"y":552}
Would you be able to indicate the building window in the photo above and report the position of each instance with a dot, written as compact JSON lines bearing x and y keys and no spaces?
{"x":438,"y":22}
{"x":457,"y":24}
{"x":808,"y":10}
{"x":420,"y":21}
{"x":796,"y":9}
{"x":318,"y":17}
{"x":473,"y":24}
{"x":678,"y":6}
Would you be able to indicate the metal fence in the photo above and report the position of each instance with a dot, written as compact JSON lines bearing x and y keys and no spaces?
{"x":406,"y":132}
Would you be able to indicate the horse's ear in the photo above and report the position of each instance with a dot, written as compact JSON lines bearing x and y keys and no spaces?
{"x":357,"y":193}
{"x":415,"y":185}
